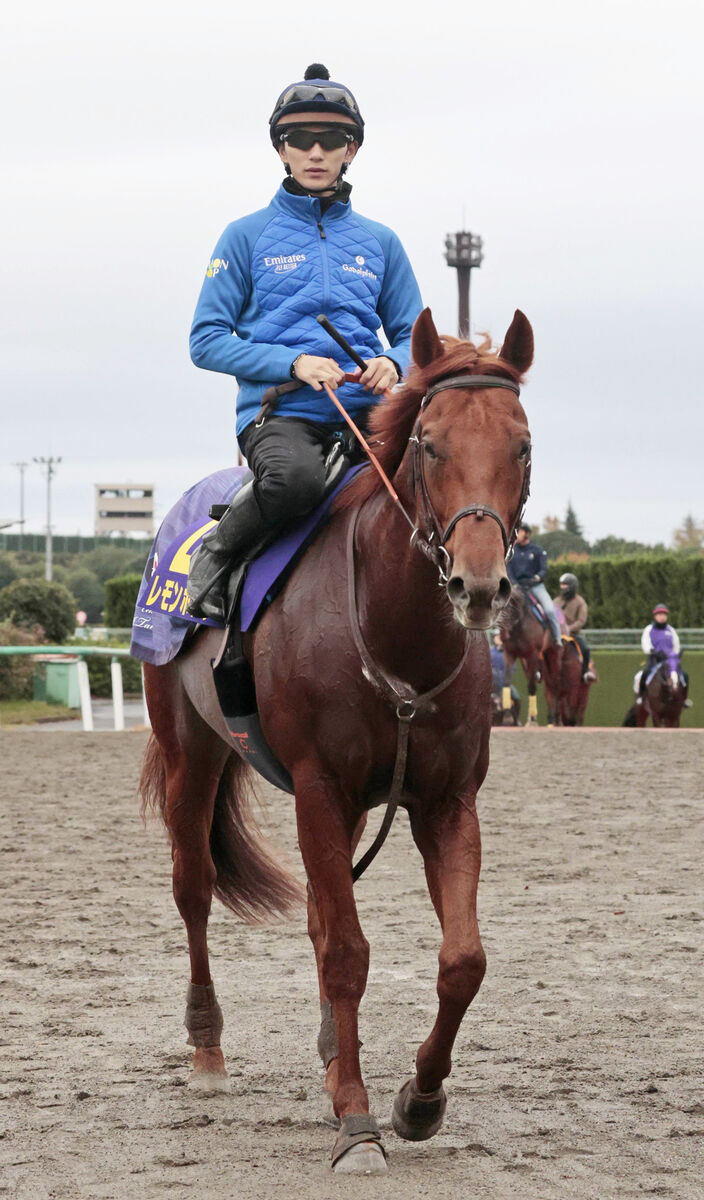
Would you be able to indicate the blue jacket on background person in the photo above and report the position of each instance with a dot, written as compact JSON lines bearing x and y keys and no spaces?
{"x":529,"y":560}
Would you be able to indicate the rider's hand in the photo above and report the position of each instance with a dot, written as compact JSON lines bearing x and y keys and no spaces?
{"x":380,"y":375}
{"x":316,"y":371}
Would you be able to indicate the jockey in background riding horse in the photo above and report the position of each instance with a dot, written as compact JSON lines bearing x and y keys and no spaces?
{"x":271,"y":274}
{"x":528,"y":568}
{"x":574,"y":612}
{"x":660,"y":642}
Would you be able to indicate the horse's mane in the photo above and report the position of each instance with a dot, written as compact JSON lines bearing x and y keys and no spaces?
{"x":391,"y":421}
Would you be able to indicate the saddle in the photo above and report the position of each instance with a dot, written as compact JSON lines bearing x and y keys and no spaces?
{"x":162,"y":624}
{"x":571,"y":641}
{"x":535,"y":607}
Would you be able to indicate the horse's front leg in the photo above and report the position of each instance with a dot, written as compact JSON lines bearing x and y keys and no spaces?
{"x":531,"y":667}
{"x":327,"y":1037}
{"x":450,"y":844}
{"x":326,"y":829}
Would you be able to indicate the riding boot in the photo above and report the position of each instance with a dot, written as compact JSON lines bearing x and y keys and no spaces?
{"x":239,"y":530}
{"x":240,"y":533}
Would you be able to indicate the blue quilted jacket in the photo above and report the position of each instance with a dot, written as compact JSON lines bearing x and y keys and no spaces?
{"x":271,"y":274}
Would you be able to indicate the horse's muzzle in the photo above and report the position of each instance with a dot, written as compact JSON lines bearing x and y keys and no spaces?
{"x":478,"y":601}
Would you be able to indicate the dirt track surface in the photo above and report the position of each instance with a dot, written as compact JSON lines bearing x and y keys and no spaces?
{"x":577,"y":1070}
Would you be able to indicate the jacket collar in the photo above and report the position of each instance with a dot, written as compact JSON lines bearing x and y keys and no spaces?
{"x":307,"y":208}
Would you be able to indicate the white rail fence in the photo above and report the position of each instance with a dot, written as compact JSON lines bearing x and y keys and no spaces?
{"x":76,"y":656}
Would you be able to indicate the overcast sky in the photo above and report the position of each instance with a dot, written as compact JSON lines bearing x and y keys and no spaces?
{"x":568,"y":136}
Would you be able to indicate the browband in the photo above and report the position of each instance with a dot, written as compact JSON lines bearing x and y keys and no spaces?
{"x":461,"y":381}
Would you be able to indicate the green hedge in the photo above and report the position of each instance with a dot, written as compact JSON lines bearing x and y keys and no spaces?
{"x":621,"y":592}
{"x":120,"y":598}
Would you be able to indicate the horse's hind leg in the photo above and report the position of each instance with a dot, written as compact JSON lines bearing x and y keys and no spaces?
{"x":325,"y":835}
{"x":194,"y":758}
{"x":450,"y":844}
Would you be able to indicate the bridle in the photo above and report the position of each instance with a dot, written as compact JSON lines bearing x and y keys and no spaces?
{"x":428,"y":534}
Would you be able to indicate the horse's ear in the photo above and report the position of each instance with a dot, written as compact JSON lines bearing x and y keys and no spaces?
{"x":518,"y":344}
{"x":425,"y":343}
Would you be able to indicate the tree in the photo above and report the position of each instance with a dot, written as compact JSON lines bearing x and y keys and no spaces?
{"x":7,"y":570}
{"x":35,"y":602}
{"x":571,"y":524}
{"x":690,"y":535}
{"x":89,"y":593}
{"x":551,"y":524}
{"x":560,"y":543}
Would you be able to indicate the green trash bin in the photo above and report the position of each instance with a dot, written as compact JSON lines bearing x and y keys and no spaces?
{"x":56,"y":680}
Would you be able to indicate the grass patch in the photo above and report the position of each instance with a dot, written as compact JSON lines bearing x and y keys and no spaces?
{"x":29,"y":712}
{"x":612,"y":696}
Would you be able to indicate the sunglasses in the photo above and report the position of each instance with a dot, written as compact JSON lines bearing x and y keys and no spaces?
{"x":311,"y":91}
{"x":327,"y":139}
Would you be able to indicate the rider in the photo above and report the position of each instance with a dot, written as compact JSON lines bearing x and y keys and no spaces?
{"x":528,"y":568}
{"x":660,"y":642}
{"x":271,"y":274}
{"x":574,"y":611}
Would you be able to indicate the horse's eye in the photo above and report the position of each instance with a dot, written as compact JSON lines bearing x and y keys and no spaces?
{"x":430,"y":451}
{"x":525,"y":451}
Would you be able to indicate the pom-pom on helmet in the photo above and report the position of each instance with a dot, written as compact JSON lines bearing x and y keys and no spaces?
{"x":317,"y":93}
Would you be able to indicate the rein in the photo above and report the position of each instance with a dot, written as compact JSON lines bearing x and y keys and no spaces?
{"x":406,"y":702}
{"x":401,"y":696}
{"x":432,"y":540}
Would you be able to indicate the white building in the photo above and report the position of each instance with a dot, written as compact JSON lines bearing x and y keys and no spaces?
{"x":124,"y":508}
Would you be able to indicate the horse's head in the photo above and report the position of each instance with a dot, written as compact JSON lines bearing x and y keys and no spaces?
{"x":471,"y":460}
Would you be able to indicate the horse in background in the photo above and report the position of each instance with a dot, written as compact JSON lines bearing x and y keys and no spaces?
{"x":663,"y":700}
{"x":359,"y":653}
{"x":573,"y":689}
{"x":524,"y":638}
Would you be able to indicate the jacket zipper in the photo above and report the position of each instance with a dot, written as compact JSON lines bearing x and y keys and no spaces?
{"x":324,"y":263}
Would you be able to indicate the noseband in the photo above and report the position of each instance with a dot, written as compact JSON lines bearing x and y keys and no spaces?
{"x":432,"y":539}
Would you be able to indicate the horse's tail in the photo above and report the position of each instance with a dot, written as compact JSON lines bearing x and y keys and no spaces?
{"x":249,"y":881}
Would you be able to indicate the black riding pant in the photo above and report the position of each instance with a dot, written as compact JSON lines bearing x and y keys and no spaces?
{"x":287,"y":458}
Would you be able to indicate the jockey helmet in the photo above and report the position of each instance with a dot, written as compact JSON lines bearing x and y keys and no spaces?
{"x":569,"y":584}
{"x":525,"y":526}
{"x":661,"y":608}
{"x":316,"y":93}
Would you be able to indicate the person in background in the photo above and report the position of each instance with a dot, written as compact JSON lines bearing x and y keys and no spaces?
{"x":659,"y":640}
{"x":528,"y":568}
{"x":574,"y":611}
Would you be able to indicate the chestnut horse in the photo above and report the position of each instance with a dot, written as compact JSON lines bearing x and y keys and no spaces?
{"x":524,"y":638}
{"x":360,"y":640}
{"x":664,"y":701}
{"x":573,"y":690}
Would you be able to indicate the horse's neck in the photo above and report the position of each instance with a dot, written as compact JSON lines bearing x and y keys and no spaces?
{"x":406,"y":619}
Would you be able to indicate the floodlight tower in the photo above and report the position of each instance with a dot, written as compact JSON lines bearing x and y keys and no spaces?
{"x":463,"y":251}
{"x":48,"y":464}
{"x":21,"y":467}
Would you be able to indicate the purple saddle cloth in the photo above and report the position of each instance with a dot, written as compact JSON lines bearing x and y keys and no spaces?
{"x":161,"y":622}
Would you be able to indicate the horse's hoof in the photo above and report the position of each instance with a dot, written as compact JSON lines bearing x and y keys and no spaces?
{"x":417,"y":1116}
{"x":209,"y":1075}
{"x":327,"y":1112}
{"x":358,"y":1149}
{"x":208,"y":1084}
{"x":366,"y":1158}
